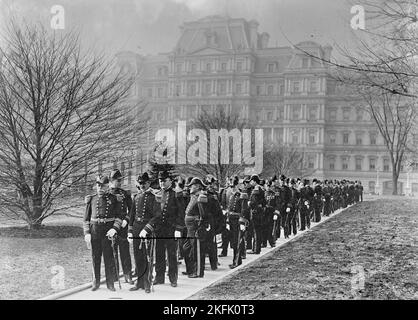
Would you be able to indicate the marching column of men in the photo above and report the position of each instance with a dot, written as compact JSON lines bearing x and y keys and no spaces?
{"x":182,"y":219}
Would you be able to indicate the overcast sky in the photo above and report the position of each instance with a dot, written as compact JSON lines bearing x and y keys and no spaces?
{"x":153,"y":25}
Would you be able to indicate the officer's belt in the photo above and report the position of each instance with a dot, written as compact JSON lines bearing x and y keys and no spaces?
{"x":234,"y":214}
{"x":141,"y":219}
{"x":102,"y":220}
{"x":191,"y":218}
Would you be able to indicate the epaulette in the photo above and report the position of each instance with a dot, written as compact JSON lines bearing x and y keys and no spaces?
{"x":243,"y":195}
{"x":203,"y":198}
{"x":88,"y":198}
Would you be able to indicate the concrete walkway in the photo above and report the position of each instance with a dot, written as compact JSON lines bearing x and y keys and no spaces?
{"x":186,"y":287}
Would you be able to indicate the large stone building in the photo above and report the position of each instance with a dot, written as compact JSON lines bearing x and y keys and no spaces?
{"x":226,"y":63}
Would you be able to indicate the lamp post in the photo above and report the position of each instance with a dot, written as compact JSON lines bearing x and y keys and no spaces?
{"x":377,"y":180}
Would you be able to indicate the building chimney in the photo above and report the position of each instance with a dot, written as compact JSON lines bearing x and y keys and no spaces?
{"x":264,"y":40}
{"x":253,"y":26}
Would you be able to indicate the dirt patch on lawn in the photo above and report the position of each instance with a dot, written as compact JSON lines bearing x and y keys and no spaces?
{"x":370,"y":251}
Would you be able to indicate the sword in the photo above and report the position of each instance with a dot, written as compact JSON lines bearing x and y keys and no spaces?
{"x":115,"y":258}
{"x":198,"y":254}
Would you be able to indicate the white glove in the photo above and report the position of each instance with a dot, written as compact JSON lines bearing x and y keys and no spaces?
{"x":208,"y":228}
{"x":224,"y":212}
{"x":307,"y":206}
{"x":242,"y":227}
{"x":277,"y":212}
{"x":287,"y":209}
{"x":87,"y":238}
{"x":130,"y":236}
{"x":275,"y":217}
{"x":124,"y":223}
{"x":306,"y":203}
{"x":227,"y":227}
{"x":177,"y":234}
{"x":111,"y":233}
{"x":143,"y":234}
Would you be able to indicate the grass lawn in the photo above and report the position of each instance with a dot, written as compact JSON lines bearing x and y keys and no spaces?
{"x":379,"y":237}
{"x":26,"y":262}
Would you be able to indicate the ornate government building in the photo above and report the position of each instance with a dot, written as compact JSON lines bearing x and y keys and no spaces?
{"x":227,"y":63}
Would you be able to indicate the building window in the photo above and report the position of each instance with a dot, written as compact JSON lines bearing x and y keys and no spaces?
{"x":332,"y":138}
{"x":150,"y":92}
{"x":358,"y":164}
{"x":282,"y":89}
{"x":332,"y":164}
{"x":295,"y":138}
{"x":312,"y":137}
{"x":359,"y":139}
{"x":239,"y":66}
{"x":270,"y":90}
{"x":311,"y":162}
{"x":344,"y":163}
{"x":346,"y":114}
{"x":178,"y":68}
{"x":345,"y":138}
{"x":313,"y":86}
{"x":312,"y":114}
{"x":270,"y":67}
{"x":372,"y":164}
{"x":177,"y":113}
{"x":269,"y":115}
{"x":194,"y":68}
{"x":280,"y":113}
{"x":208,"y":88}
{"x":160,"y":92}
{"x":208,"y":67}
{"x":305,"y":62}
{"x":177,"y":90}
{"x":258,"y":89}
{"x":295,"y":86}
{"x":373,"y":139}
{"x":238,"y":88}
{"x":333,"y":115}
{"x":223,"y":66}
{"x":222,"y":87}
{"x":386,"y":165}
{"x":295,"y":112}
{"x":160,"y":71}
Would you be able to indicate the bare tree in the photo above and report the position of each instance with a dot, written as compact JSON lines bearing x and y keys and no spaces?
{"x":61,"y":109}
{"x":220,"y":119}
{"x":287,"y":160}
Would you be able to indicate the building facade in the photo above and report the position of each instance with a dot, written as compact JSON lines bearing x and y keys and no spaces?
{"x":223,"y":63}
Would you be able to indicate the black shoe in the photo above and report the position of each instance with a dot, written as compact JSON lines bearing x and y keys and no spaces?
{"x":233,"y":266}
{"x":158,"y":282}
{"x":194,"y":275}
{"x":95,"y":286}
{"x":147,"y":290}
{"x":213,"y":268}
{"x":185,"y":273}
{"x":135,"y":288}
{"x":128,"y":279}
{"x":222,"y":255}
{"x":111,"y":287}
{"x":174,"y":284}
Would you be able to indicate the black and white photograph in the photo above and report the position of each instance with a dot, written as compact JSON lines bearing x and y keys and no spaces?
{"x":190,"y":151}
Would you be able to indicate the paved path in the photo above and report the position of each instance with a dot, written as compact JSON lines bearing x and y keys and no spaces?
{"x":186,"y":287}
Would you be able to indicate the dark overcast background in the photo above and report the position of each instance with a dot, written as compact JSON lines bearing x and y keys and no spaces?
{"x":153,"y":25}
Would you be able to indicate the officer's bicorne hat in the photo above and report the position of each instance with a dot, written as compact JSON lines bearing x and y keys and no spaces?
{"x":196,"y":180}
{"x":142,"y":178}
{"x":115,"y":175}
{"x":315,"y":180}
{"x":164,"y":175}
{"x":292,"y":181}
{"x":255,"y":178}
{"x":210,"y":179}
{"x":101,"y":179}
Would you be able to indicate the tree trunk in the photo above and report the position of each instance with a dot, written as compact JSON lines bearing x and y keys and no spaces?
{"x":394,"y":183}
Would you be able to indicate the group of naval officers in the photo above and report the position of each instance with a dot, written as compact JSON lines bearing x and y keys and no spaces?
{"x":171,"y":219}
